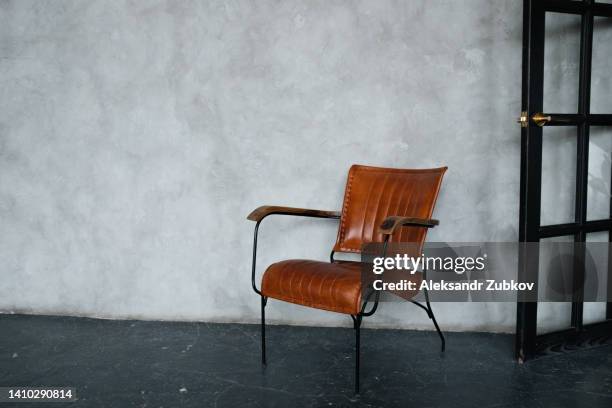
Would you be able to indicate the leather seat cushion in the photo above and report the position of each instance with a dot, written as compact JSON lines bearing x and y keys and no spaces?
{"x":323,"y":285}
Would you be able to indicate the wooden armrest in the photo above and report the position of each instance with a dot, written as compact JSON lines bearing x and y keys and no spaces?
{"x":390,"y":224}
{"x":262,"y":212}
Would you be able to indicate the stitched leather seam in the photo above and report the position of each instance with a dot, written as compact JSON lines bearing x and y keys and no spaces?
{"x":392,"y":170}
{"x":345,"y":208}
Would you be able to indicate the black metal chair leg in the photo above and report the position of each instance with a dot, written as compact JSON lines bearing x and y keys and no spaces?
{"x":433,"y":318}
{"x":357,"y":326}
{"x":264,"y":300}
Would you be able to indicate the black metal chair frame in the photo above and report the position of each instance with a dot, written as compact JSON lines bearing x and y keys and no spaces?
{"x":357,"y":319}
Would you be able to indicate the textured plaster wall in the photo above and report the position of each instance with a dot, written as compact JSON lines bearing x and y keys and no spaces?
{"x":135,"y":137}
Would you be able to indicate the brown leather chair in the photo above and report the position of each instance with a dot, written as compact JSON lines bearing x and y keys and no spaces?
{"x":380,"y":205}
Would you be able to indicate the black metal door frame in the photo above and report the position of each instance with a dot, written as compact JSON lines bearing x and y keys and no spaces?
{"x":528,"y":343}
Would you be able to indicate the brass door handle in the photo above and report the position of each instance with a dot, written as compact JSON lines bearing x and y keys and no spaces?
{"x":538,"y":118}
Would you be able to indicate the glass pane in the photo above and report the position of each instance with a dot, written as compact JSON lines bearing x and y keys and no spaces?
{"x":593,"y":312}
{"x":558,"y":174}
{"x":553,"y":316}
{"x":596,"y":311}
{"x":561,"y":63}
{"x":601,"y":73}
{"x":600,"y":169}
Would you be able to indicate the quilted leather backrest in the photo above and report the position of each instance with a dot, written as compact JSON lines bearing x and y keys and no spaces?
{"x":374,"y":193}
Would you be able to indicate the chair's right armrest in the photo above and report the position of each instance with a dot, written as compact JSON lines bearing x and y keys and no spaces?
{"x":392,"y":223}
{"x":262,"y":212}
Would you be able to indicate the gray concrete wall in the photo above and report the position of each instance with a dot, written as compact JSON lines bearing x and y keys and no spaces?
{"x":135,"y":137}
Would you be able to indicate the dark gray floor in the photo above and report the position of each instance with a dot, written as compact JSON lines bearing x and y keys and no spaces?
{"x":153,"y":364}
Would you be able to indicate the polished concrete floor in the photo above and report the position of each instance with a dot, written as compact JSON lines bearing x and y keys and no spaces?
{"x":161,"y":364}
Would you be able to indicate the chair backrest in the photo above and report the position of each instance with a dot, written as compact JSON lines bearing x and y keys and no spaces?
{"x":375,"y":193}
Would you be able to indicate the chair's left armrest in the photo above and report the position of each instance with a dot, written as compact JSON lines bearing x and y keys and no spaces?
{"x":391,"y":224}
{"x":262,"y":212}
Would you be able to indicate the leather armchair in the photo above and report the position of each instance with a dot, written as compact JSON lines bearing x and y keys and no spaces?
{"x":380,"y":205}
